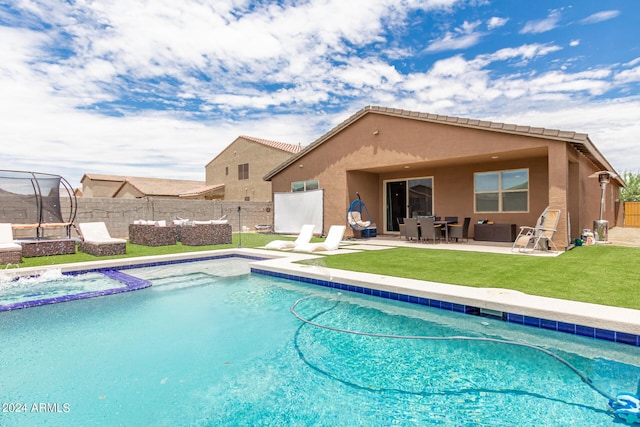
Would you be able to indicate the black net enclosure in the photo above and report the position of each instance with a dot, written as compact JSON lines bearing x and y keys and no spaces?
{"x":36,"y":200}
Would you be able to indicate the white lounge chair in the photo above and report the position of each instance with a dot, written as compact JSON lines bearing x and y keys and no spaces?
{"x":306,"y":233}
{"x":10,"y":251}
{"x":98,"y":242}
{"x":331,"y":243}
{"x":541,"y":236}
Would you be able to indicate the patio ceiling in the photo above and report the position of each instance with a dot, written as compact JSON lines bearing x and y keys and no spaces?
{"x":498,"y":156}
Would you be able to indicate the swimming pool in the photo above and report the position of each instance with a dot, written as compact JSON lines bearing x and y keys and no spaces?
{"x":211,"y":344}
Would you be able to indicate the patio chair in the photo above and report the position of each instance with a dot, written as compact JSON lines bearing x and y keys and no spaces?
{"x":331,"y":243}
{"x":306,"y":233}
{"x":402,"y":228}
{"x":411,"y":229}
{"x":10,"y":251}
{"x":97,"y":241}
{"x":429,"y":230}
{"x":460,"y":231}
{"x":541,"y":235}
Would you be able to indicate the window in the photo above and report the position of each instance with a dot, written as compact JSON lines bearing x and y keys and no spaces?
{"x":226,"y":170}
{"x":503,"y":191}
{"x":304,"y":185}
{"x":243,"y":171}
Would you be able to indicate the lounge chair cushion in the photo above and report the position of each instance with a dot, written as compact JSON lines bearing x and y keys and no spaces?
{"x":331,"y":243}
{"x":306,"y":233}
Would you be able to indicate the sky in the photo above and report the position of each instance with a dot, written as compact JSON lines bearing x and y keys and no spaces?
{"x":158,"y":88}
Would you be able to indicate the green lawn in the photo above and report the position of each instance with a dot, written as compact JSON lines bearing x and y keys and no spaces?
{"x":606,"y":275}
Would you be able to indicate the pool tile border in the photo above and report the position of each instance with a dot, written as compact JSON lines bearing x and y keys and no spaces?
{"x":130,"y":284}
{"x":570,"y":328}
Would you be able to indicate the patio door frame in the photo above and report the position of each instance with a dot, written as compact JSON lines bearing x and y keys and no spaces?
{"x":409,"y":207}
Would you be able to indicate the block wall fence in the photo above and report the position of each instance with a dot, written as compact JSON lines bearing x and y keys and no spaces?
{"x":117,"y":214}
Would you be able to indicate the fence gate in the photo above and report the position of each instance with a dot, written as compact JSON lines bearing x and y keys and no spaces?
{"x":632,"y":214}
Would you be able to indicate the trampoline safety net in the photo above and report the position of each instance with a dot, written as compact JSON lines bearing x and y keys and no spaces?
{"x":36,"y":200}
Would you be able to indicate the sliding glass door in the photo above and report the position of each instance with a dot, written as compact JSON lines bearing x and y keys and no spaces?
{"x":407,"y":198}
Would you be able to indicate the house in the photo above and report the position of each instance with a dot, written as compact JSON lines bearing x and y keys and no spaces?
{"x":130,"y":187}
{"x":238,"y":170}
{"x":407,"y":163}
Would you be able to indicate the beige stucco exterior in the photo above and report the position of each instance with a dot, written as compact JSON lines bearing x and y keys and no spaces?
{"x":261,"y":156}
{"x":100,"y":186}
{"x":377,"y":145}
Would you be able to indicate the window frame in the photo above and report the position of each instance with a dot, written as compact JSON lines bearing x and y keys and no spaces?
{"x":500,"y":192}
{"x":305,"y":185}
{"x":243,"y":171}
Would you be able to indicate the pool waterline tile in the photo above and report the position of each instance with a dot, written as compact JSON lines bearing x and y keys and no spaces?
{"x":570,"y":328}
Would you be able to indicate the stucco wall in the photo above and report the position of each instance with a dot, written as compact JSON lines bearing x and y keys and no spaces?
{"x":376,"y":148}
{"x":99,"y":188}
{"x":261,"y":159}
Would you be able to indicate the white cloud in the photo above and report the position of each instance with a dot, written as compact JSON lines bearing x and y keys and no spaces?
{"x":271,"y":71}
{"x":496,"y":22}
{"x":600,"y":16}
{"x":542,"y":25}
{"x":574,"y":43}
{"x":628,"y":76}
{"x":613,"y":126}
{"x":462,"y":38}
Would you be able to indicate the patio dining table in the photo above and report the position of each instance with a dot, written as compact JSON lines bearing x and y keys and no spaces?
{"x":445,"y":224}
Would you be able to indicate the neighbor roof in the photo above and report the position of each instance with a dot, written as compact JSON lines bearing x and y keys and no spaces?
{"x":580,"y":141}
{"x":158,"y":186}
{"x":212,"y":190}
{"x":282,"y":146}
{"x":291,"y":148}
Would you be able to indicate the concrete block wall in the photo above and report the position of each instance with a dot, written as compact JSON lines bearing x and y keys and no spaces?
{"x":119,"y":213}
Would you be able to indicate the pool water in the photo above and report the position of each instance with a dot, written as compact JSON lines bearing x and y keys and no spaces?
{"x":52,"y":284}
{"x":210,"y":344}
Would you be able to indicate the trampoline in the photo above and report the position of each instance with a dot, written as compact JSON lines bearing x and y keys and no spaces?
{"x":37,"y":201}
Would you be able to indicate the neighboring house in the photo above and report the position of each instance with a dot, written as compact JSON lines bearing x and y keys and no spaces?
{"x":130,"y":187}
{"x":406,"y":163}
{"x":240,"y":167}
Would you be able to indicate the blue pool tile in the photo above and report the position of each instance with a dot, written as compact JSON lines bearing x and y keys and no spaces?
{"x":515,"y":318}
{"x":474,"y":311}
{"x":532,"y":321}
{"x":625,"y":338}
{"x":569,"y":328}
{"x":549,"y":324}
{"x":458,"y":308}
{"x":585,"y":331}
{"x":605,"y":334}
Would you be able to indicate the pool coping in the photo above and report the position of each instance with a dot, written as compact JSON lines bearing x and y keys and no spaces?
{"x":578,"y":318}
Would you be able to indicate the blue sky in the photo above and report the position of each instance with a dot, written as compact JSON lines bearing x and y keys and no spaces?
{"x":158,"y":88}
